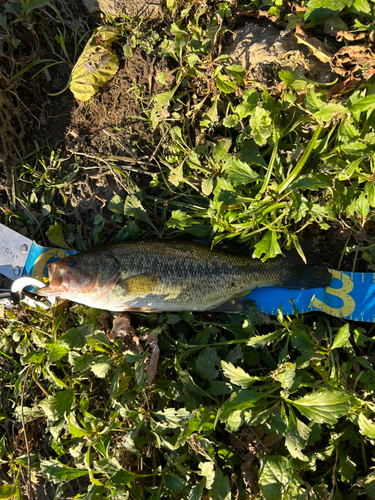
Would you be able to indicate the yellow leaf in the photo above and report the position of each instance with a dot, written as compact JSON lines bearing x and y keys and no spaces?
{"x":318,"y":48}
{"x":96,"y":65}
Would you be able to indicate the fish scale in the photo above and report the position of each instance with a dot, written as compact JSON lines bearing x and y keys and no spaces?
{"x":164,"y":275}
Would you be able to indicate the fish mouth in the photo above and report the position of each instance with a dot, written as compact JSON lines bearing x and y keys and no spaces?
{"x":59,"y":280}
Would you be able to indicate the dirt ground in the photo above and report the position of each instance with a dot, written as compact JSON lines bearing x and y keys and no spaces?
{"x":110,"y":130}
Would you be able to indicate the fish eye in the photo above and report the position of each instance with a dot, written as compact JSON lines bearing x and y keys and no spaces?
{"x":71,"y":262}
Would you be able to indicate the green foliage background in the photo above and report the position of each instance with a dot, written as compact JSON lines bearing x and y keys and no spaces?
{"x":242,"y":406}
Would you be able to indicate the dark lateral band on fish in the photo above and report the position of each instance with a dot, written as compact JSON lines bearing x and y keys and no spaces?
{"x":162,"y":275}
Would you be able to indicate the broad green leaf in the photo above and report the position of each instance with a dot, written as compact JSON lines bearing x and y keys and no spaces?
{"x":134,"y":208}
{"x":296,"y":436}
{"x":123,"y":477}
{"x":278,"y":480}
{"x":261,"y":125}
{"x":268,"y":246}
{"x":75,"y":429}
{"x":243,"y":110}
{"x":319,"y":9}
{"x":190,"y":385}
{"x":237,"y":71}
{"x":207,"y":363}
{"x":208,"y":472}
{"x":56,"y":472}
{"x":366,"y":427}
{"x":250,"y":96}
{"x":329,"y":111}
{"x":370,"y":191}
{"x":237,"y":375}
{"x":369,"y":485}
{"x":242,"y":400}
{"x":179,"y":219}
{"x":116,"y":204}
{"x":362,"y":206}
{"x":285,"y":374}
{"x":102,"y":367}
{"x":324,"y":407}
{"x":225,"y":84}
{"x":342,"y":337}
{"x":234,"y":421}
{"x":241,"y":174}
{"x":57,"y":351}
{"x":364,"y":104}
{"x":207,"y":185}
{"x":175,"y":30}
{"x":264,"y":340}
{"x":224,"y":191}
{"x":347,"y":467}
{"x":76,"y":337}
{"x":34,"y":357}
{"x":197,"y":490}
{"x":211,"y":116}
{"x":9,"y":491}
{"x":161,"y":102}
{"x":56,"y":237}
{"x":55,"y":406}
{"x":96,"y":65}
{"x":220,"y":489}
{"x":361,"y":7}
{"x":174,"y":483}
{"x":221,"y":149}
{"x":172,"y":418}
{"x":176,"y":175}
{"x":295,"y":80}
{"x":231,"y":121}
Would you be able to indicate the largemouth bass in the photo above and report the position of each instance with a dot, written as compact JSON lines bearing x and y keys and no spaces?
{"x":156,"y":276}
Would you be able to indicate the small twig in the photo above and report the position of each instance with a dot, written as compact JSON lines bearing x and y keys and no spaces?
{"x":156,"y":149}
{"x":334,"y":476}
{"x":357,"y":380}
{"x":30,"y":492}
{"x":39,"y":385}
{"x":364,"y":455}
{"x":355,"y":261}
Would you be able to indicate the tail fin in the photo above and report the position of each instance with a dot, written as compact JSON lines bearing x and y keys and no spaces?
{"x":300,"y":276}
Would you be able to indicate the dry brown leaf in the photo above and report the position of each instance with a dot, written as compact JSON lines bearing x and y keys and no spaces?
{"x":347,"y":35}
{"x":318,"y":48}
{"x":351,"y":59}
{"x":298,"y":8}
{"x":154,"y":359}
{"x":343,"y":87}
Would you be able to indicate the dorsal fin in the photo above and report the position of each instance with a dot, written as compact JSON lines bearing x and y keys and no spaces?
{"x":239,"y":249}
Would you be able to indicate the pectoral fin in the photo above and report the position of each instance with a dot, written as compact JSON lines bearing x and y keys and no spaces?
{"x":141,"y":284}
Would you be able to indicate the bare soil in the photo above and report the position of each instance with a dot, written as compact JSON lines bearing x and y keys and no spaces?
{"x":113,"y":129}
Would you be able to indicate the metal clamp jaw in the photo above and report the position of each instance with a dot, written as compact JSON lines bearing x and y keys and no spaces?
{"x":28,"y":297}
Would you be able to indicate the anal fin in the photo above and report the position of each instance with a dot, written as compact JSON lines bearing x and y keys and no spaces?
{"x":235,"y":304}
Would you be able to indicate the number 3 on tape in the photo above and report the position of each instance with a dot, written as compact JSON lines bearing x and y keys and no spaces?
{"x":352,"y":297}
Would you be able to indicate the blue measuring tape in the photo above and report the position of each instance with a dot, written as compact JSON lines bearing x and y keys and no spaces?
{"x":350,"y":296}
